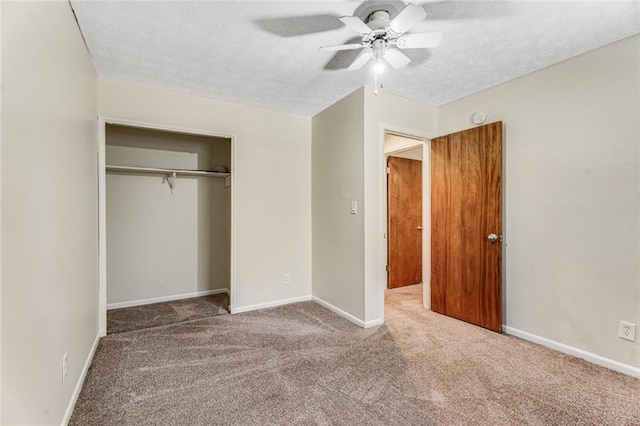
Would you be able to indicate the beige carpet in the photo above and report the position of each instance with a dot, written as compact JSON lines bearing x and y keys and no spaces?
{"x":164,"y":313}
{"x":474,"y":376}
{"x":302,"y":364}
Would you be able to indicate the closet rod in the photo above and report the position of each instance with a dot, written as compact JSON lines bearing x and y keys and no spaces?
{"x":153,"y":170}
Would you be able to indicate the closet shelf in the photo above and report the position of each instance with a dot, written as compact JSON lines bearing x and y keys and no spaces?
{"x":153,"y":170}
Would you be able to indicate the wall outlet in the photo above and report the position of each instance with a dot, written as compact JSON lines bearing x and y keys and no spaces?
{"x":65,"y":362}
{"x":627,"y":331}
{"x":287,"y":279}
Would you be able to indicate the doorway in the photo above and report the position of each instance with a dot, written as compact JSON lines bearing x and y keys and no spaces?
{"x":462,"y":224}
{"x":404,"y":158}
{"x":166,"y":222}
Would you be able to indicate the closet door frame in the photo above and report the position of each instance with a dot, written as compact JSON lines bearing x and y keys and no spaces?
{"x":102,"y":204}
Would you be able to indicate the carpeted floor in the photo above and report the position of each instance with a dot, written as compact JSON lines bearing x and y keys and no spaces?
{"x":302,"y":364}
{"x":474,"y":376}
{"x":157,"y":314}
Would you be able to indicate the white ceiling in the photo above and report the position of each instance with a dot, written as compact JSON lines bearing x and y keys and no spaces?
{"x":257,"y":53}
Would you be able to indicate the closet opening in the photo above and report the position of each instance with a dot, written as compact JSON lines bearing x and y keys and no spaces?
{"x":166,"y":226}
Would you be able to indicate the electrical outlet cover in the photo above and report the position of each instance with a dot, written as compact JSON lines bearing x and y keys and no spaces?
{"x":627,"y":331}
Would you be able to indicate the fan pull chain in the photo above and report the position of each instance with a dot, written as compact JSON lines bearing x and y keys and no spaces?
{"x":375,"y":82}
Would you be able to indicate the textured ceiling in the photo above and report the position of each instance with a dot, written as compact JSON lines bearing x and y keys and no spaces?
{"x":265,"y":53}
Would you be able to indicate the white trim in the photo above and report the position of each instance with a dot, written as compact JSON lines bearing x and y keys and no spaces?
{"x":164,"y":127}
{"x":1,"y":351}
{"x":570,"y":350}
{"x":234,"y":203}
{"x":406,"y":147}
{"x":102,"y":228}
{"x":373,"y":323}
{"x":347,"y":315}
{"x":102,"y":216}
{"x":405,"y":132}
{"x":141,"y":302}
{"x":426,"y":225}
{"x":80,"y":382}
{"x":270,"y":304}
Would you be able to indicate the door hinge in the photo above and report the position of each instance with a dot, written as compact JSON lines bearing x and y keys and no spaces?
{"x":388,"y":170}
{"x":387,"y":268}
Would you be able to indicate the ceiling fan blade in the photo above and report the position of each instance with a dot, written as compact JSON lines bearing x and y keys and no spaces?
{"x":290,"y":26}
{"x":417,"y":41}
{"x":407,"y":18}
{"x":356,"y":24}
{"x":360,"y":60}
{"x":352,"y":46}
{"x":396,"y":58}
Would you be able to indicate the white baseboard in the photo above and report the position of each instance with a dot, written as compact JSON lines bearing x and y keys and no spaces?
{"x":270,"y":304}
{"x":80,"y":382}
{"x":141,"y":302}
{"x":373,"y":323}
{"x":346,"y":315}
{"x":570,"y":350}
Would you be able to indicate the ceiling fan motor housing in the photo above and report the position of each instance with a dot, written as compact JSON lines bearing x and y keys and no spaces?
{"x":378,"y":20}
{"x":378,"y":47}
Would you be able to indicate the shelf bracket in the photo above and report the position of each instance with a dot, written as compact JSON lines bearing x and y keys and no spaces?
{"x":170,"y":180}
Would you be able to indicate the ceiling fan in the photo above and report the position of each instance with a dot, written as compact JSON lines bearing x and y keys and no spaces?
{"x":383,"y":38}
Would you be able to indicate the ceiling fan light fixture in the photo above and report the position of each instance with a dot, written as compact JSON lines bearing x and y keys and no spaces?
{"x":378,"y":67}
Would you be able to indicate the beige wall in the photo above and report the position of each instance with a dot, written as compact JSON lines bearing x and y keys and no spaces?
{"x":393,"y":113}
{"x":272,"y":177}
{"x":49,"y":209}
{"x":338,"y":173}
{"x":572,"y":184}
{"x":159,"y":243}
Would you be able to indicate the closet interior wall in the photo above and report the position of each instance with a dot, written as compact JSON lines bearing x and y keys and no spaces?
{"x":160,"y":243}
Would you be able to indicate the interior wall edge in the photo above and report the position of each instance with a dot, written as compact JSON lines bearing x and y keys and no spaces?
{"x":355,"y":320}
{"x":81,"y":379}
{"x":337,"y":182}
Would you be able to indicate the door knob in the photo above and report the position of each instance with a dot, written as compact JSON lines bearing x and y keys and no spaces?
{"x":493,"y":238}
{"x":420,"y":228}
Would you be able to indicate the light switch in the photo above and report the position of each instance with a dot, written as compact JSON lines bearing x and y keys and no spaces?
{"x":354,"y":207}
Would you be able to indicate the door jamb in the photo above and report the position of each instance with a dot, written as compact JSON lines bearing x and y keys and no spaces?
{"x":102,"y":205}
{"x":424,"y":140}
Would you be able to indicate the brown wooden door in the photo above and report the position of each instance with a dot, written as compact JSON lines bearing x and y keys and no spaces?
{"x":404,"y":212}
{"x":466,"y":207}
